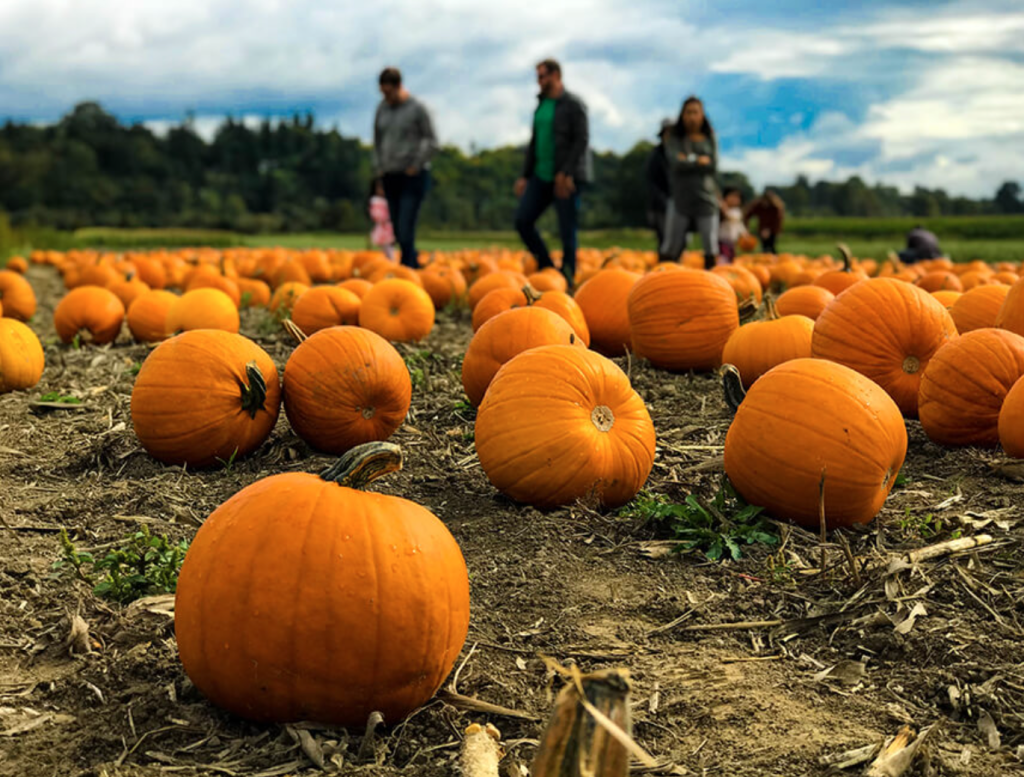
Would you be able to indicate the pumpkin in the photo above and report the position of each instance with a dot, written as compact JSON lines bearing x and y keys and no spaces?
{"x":746,"y":243}
{"x":147,"y":315}
{"x":304,"y":598}
{"x":502,"y":279}
{"x":495,"y":302}
{"x":358,"y":286}
{"x":1011,"y":421}
{"x":91,"y":309}
{"x":548,"y":280}
{"x":807,"y":301}
{"x":810,"y":419}
{"x":979,"y":307}
{"x":445,"y":285}
{"x":963,"y":387}
{"x":286,"y":295}
{"x":947,"y":298}
{"x":604,"y":302}
{"x":151,"y":272}
{"x":506,"y":335}
{"x":397,"y":310}
{"x":99,"y":274}
{"x":886,"y":330}
{"x":205,"y":396}
{"x":203,"y":308}
{"x":345,"y":386}
{"x":324,"y":306}
{"x":756,"y":347}
{"x":682,"y":320}
{"x":838,"y":281}
{"x":213,"y":281}
{"x":561,"y":423}
{"x":395,"y":271}
{"x":744,"y":283}
{"x":17,"y":264}
{"x":290,"y":272}
{"x":1010,"y":317}
{"x":128,"y":290}
{"x":561,"y":303}
{"x":16,"y":294}
{"x":940,"y":280}
{"x":253,"y":293}
{"x":21,"y":356}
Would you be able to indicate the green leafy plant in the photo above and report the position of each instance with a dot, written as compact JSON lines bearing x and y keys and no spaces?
{"x":928,"y":526}
{"x":56,"y":396}
{"x":230,"y":462}
{"x":419,"y":363}
{"x":143,"y":565}
{"x":716,"y":528}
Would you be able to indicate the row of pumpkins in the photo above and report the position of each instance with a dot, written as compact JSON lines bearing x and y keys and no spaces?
{"x":819,"y":398}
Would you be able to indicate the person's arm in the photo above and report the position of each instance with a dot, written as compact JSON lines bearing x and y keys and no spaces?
{"x":428,"y":140}
{"x":580,"y":138}
{"x":376,"y":143}
{"x":782,"y":215}
{"x":749,"y":212}
{"x":712,"y":162}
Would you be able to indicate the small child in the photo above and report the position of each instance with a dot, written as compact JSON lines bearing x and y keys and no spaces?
{"x":732,"y":227}
{"x":383,"y":233}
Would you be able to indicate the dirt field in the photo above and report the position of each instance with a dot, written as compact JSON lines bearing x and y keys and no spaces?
{"x":571,"y":584}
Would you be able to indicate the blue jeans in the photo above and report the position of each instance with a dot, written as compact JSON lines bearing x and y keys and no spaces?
{"x":535,"y":200}
{"x":405,"y":194}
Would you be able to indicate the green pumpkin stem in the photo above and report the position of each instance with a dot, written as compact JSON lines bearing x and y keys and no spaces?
{"x":255,"y":394}
{"x":531,"y":294}
{"x":732,"y":387}
{"x":363,"y":464}
{"x":846,"y":254}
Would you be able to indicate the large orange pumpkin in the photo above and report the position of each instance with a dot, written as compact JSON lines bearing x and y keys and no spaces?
{"x":205,"y":396}
{"x":203,"y":308}
{"x":345,"y":386}
{"x":90,"y":309}
{"x":397,"y":310}
{"x":506,"y":335}
{"x":561,"y":423}
{"x":128,"y":290}
{"x":1011,"y":421}
{"x":1011,"y":314}
{"x":964,"y":386}
{"x":807,"y":419}
{"x":147,"y":315}
{"x":807,"y":301}
{"x":887,"y":330}
{"x":604,"y":302}
{"x":304,"y":598}
{"x":16,"y":294}
{"x":495,"y":302}
{"x":979,"y":307}
{"x":682,"y":320}
{"x":21,"y":356}
{"x":215,"y":281}
{"x":756,"y":347}
{"x":324,"y":306}
{"x":561,"y":303}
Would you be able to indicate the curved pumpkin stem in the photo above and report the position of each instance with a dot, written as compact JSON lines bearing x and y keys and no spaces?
{"x":293,"y":329}
{"x":532,"y":295}
{"x":732,"y":387}
{"x":255,"y":394}
{"x":771,"y":313}
{"x":846,"y":254}
{"x":363,"y":464}
{"x":747,"y":309}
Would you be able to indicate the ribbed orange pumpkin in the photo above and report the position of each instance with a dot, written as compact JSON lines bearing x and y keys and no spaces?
{"x":128,"y":290}
{"x":286,"y":295}
{"x":324,"y":306}
{"x":389,"y":271}
{"x":963,"y":387}
{"x":345,"y":386}
{"x":397,"y":310}
{"x":1011,"y":314}
{"x":548,"y":280}
{"x":682,"y":320}
{"x":604,"y":302}
{"x":838,"y":281}
{"x":21,"y":356}
{"x":358,"y":286}
{"x":506,"y":335}
{"x":1011,"y":421}
{"x":744,"y":283}
{"x":302,"y":598}
{"x":147,"y":316}
{"x":214,"y":281}
{"x":90,"y":309}
{"x":203,"y":308}
{"x":807,"y":301}
{"x":561,"y":423}
{"x":561,"y":303}
{"x":495,"y":302}
{"x":979,"y":307}
{"x":886,"y":330}
{"x":445,"y":285}
{"x":808,"y":418}
{"x":947,"y":298}
{"x":940,"y":280}
{"x":502,"y":279}
{"x":17,"y":264}
{"x":205,"y":396}
{"x":756,"y":347}
{"x":253,"y":293}
{"x":16,"y":294}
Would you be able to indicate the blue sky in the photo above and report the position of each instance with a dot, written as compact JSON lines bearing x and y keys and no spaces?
{"x":902,"y":92}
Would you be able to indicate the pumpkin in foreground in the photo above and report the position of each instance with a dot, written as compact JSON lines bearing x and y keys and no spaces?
{"x":205,"y":396}
{"x":91,"y":311}
{"x":304,"y":598}
{"x":561,"y":423}
{"x":808,"y":419}
{"x":756,"y":347}
{"x":1011,"y":421}
{"x":21,"y":356}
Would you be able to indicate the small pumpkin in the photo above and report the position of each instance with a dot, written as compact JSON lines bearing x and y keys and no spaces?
{"x":807,"y":301}
{"x":940,"y":280}
{"x":548,"y":279}
{"x":445,"y":285}
{"x":561,"y":303}
{"x":682,"y":320}
{"x":502,"y":279}
{"x":205,"y":396}
{"x":253,"y":293}
{"x":128,"y":290}
{"x":203,"y":308}
{"x":147,"y":315}
{"x":604,"y":302}
{"x":810,"y":420}
{"x":286,"y":295}
{"x":21,"y":356}
{"x":16,"y":295}
{"x":17,"y":264}
{"x":979,"y":307}
{"x":947,"y":298}
{"x":345,"y":386}
{"x":216,"y":281}
{"x":964,"y":386}
{"x":324,"y":306}
{"x":744,"y":283}
{"x":358,"y":286}
{"x":397,"y":310}
{"x":495,"y":302}
{"x":561,"y":423}
{"x":90,"y":309}
{"x":304,"y":598}
{"x":1011,"y":421}
{"x":887,"y":330}
{"x":756,"y":347}
{"x":838,"y":281}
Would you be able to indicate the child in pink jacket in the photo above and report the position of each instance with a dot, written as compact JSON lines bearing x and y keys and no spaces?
{"x":383,"y":233}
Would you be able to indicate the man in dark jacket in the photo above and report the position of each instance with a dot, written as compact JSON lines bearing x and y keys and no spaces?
{"x":657,"y":183}
{"x":557,"y":165}
{"x":921,"y":244}
{"x":770,"y":213}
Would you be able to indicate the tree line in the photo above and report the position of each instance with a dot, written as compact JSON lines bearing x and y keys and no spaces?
{"x":88,"y":169}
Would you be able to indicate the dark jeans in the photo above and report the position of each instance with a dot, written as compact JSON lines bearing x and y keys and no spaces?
{"x":535,"y":200}
{"x":405,"y":194}
{"x":768,"y":243}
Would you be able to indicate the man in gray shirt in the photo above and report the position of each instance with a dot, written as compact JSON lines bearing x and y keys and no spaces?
{"x":403,"y":143}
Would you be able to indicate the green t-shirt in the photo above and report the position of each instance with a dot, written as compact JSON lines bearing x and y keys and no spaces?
{"x":544,"y":140}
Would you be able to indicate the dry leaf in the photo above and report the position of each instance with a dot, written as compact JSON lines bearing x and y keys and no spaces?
{"x":77,"y":640}
{"x":987,"y":726}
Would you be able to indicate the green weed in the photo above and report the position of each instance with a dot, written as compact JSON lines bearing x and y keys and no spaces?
{"x":56,"y":396}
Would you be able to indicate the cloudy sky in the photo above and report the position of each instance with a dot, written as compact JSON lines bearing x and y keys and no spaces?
{"x":901,"y":91}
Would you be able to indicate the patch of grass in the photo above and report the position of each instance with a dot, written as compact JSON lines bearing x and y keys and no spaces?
{"x":230,"y":462}
{"x":927,"y":526}
{"x":143,"y":565}
{"x":418,"y":364}
{"x":716,"y":528}
{"x":56,"y":396}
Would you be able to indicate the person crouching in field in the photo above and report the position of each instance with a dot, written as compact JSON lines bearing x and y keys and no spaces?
{"x":732,"y":227}
{"x":921,"y":244}
{"x":692,"y":153}
{"x":382,"y":235}
{"x":770,"y":212}
{"x":557,"y":165}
